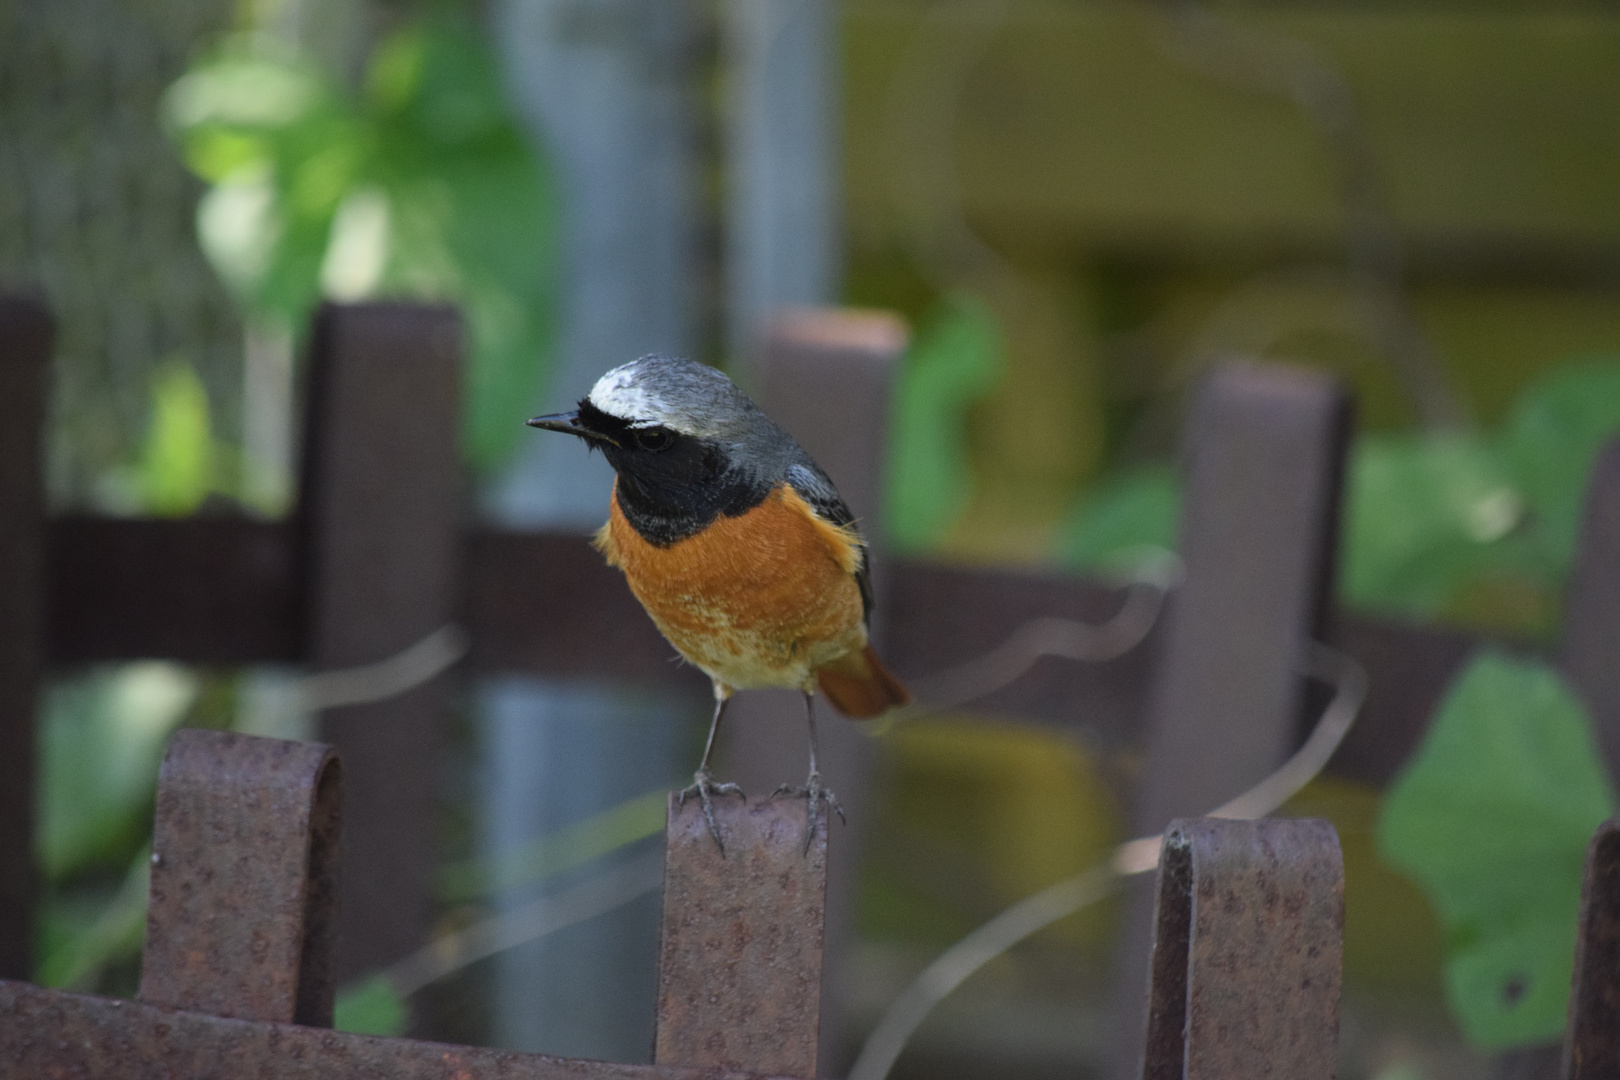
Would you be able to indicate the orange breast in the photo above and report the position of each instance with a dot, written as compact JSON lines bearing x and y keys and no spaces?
{"x":762,"y":599}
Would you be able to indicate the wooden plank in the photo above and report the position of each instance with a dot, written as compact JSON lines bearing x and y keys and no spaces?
{"x":241,"y":921}
{"x":234,"y":602}
{"x":740,"y":962}
{"x":26,"y":333}
{"x":48,"y":1033}
{"x":380,"y":507}
{"x":1258,"y":531}
{"x":1590,"y":651}
{"x":941,"y":616}
{"x":1257,"y":537}
{"x":1076,"y":126}
{"x":547,"y":603}
{"x":205,"y":590}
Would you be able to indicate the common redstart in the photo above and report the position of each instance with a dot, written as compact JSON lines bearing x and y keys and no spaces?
{"x":738,"y":546}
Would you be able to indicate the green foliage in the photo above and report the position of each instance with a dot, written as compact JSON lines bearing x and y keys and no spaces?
{"x":956,"y":359}
{"x":1465,"y":527}
{"x":176,"y":469}
{"x":101,"y":741}
{"x":371,"y":1007}
{"x":1437,"y":522}
{"x":82,"y":932}
{"x":1550,"y":440}
{"x":1427,"y":514}
{"x":1492,"y":818}
{"x":1121,"y":517}
{"x":422,"y":188}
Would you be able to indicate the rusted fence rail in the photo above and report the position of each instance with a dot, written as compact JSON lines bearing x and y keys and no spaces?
{"x":237,"y":975}
{"x":1248,"y":942}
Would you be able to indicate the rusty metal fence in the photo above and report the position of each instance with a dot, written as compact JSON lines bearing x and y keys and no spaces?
{"x":378,"y":557}
{"x":237,"y":974}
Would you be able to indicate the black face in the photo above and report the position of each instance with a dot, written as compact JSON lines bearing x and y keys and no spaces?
{"x":670,"y":485}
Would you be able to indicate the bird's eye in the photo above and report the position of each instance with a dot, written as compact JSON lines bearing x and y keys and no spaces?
{"x":653,"y":439}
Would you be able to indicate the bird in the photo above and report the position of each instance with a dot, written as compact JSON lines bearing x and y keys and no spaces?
{"x":738,"y":546}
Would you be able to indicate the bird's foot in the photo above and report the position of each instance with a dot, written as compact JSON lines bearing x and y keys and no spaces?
{"x":814,"y":795}
{"x":703,"y":787}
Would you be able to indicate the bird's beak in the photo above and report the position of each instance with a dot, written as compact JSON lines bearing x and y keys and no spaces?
{"x":567,"y":423}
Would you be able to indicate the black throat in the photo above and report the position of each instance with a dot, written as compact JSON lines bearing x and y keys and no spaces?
{"x":677,"y":491}
{"x":663,"y":514}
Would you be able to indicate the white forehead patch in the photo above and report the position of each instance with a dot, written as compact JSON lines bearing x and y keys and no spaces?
{"x":618,"y":394}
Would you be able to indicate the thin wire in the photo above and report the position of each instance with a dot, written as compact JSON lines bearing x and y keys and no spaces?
{"x":449,"y":953}
{"x":394,"y":675}
{"x":953,"y":967}
{"x":1153,"y":578}
{"x":1038,"y":638}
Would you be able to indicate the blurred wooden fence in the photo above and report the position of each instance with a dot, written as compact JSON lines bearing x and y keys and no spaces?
{"x":381,"y":553}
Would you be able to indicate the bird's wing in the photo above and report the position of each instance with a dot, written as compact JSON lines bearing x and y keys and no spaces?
{"x":814,"y":487}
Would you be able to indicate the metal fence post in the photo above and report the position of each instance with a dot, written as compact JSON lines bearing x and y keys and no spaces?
{"x":825,"y":377}
{"x":1592,"y":1042}
{"x":244,"y":879}
{"x":740,"y":963}
{"x":1586,"y":653}
{"x":1248,"y":946}
{"x":238,"y":972}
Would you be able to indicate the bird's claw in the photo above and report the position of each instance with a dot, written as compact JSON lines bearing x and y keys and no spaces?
{"x":814,"y":795}
{"x":703,"y":786}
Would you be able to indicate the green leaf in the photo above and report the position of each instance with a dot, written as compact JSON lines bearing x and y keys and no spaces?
{"x":1552,"y":436}
{"x":1491,"y":819}
{"x":81,"y":935}
{"x":1426,"y":514}
{"x":1121,"y":517}
{"x":101,"y":742}
{"x":282,"y":146}
{"x":371,"y":1007}
{"x":475,"y":217}
{"x":956,"y":359}
{"x":177,"y":463}
{"x":243,"y":87}
{"x":426,"y":190}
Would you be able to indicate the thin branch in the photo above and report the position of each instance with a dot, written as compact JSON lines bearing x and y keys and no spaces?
{"x":394,"y":675}
{"x":449,"y":953}
{"x":953,"y":967}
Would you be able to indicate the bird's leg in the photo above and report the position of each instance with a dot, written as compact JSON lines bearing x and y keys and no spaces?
{"x":703,"y":785}
{"x":812,"y":790}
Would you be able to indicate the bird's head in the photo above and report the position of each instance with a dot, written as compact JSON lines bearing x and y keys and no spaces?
{"x":650,"y":405}
{"x":680,"y":435}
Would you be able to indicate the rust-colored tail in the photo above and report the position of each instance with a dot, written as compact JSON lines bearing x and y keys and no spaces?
{"x":859,"y":686}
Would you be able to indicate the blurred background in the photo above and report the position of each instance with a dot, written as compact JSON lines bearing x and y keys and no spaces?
{"x":1075,"y":205}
